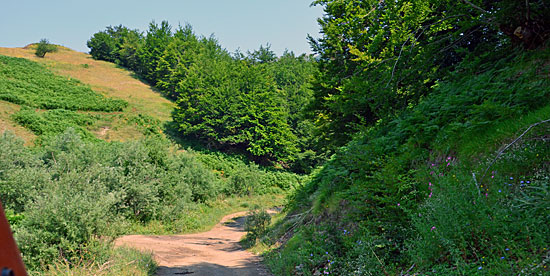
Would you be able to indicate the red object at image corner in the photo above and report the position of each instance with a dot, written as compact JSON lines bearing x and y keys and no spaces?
{"x":10,"y":257}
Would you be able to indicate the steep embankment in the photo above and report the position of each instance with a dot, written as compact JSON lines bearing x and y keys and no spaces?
{"x":456,"y":185}
{"x":103,"y":77}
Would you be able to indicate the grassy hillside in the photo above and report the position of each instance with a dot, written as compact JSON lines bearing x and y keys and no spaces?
{"x":442,"y":189}
{"x":26,"y":83}
{"x":104,"y":78}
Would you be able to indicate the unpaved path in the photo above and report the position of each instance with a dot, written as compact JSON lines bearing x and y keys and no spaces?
{"x":213,"y":253}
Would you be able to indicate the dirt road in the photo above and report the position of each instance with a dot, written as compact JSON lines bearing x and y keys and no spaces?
{"x":213,"y":253}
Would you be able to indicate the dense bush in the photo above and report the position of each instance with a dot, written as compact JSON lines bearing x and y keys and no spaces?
{"x":256,"y":223}
{"x":26,"y":82}
{"x":73,"y":190}
{"x":70,"y":191}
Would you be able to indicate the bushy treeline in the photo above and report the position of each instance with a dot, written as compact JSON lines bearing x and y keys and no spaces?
{"x":250,"y":103}
{"x":26,"y":82}
{"x":414,"y":98}
{"x":65,"y":196}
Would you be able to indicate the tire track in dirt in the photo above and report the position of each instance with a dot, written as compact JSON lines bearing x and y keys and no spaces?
{"x":213,"y":253}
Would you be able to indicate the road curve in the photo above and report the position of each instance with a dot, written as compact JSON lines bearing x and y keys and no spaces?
{"x":213,"y":253}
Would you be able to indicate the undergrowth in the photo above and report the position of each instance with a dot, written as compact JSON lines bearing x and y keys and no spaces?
{"x":410,"y":195}
{"x":67,"y":192}
{"x":55,"y":121}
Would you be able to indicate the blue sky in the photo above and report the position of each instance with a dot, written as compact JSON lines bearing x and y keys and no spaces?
{"x":237,"y":24}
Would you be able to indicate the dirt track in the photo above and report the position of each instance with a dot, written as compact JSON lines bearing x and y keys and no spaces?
{"x":213,"y":253}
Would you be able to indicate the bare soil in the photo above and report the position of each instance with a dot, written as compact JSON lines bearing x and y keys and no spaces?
{"x":213,"y":253}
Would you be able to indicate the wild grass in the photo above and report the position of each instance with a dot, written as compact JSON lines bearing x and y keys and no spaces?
{"x":106,"y":261}
{"x":106,"y":79}
{"x":55,"y":121}
{"x":25,"y":82}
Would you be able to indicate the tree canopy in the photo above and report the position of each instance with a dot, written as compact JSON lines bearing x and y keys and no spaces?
{"x":378,"y":58}
{"x":251,"y":103}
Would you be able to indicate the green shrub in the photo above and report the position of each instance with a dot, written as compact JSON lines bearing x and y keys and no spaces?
{"x":102,"y":260}
{"x":43,"y":47}
{"x":70,"y":190}
{"x":55,"y":121}
{"x":256,"y":223}
{"x":64,"y":218}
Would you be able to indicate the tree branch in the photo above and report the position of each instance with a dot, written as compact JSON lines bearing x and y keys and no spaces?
{"x":475,"y":6}
{"x":423,"y":28}
{"x":509,"y":145}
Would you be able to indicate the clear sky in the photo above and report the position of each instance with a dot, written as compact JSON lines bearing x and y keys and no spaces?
{"x":237,"y":24}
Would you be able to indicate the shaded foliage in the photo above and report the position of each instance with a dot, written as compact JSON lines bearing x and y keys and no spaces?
{"x":378,"y":58}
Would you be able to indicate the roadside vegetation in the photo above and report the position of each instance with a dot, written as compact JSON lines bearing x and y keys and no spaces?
{"x":419,"y":133}
{"x":68,"y":196}
{"x":439,"y":129}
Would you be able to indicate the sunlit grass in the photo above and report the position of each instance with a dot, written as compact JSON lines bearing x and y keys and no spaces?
{"x":103,"y":77}
{"x":202,"y":217}
{"x":120,"y":261}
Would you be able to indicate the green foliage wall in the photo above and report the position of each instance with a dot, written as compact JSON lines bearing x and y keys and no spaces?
{"x":379,"y":58}
{"x":250,"y":104}
{"x":403,"y":193}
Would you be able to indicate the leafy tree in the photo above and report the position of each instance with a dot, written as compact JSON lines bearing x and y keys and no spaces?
{"x":262,"y":55}
{"x":247,"y":103}
{"x":238,"y":106}
{"x":43,"y":47}
{"x":116,"y":44}
{"x":128,"y":47}
{"x":156,"y":41}
{"x":102,"y":46}
{"x":378,"y":58}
